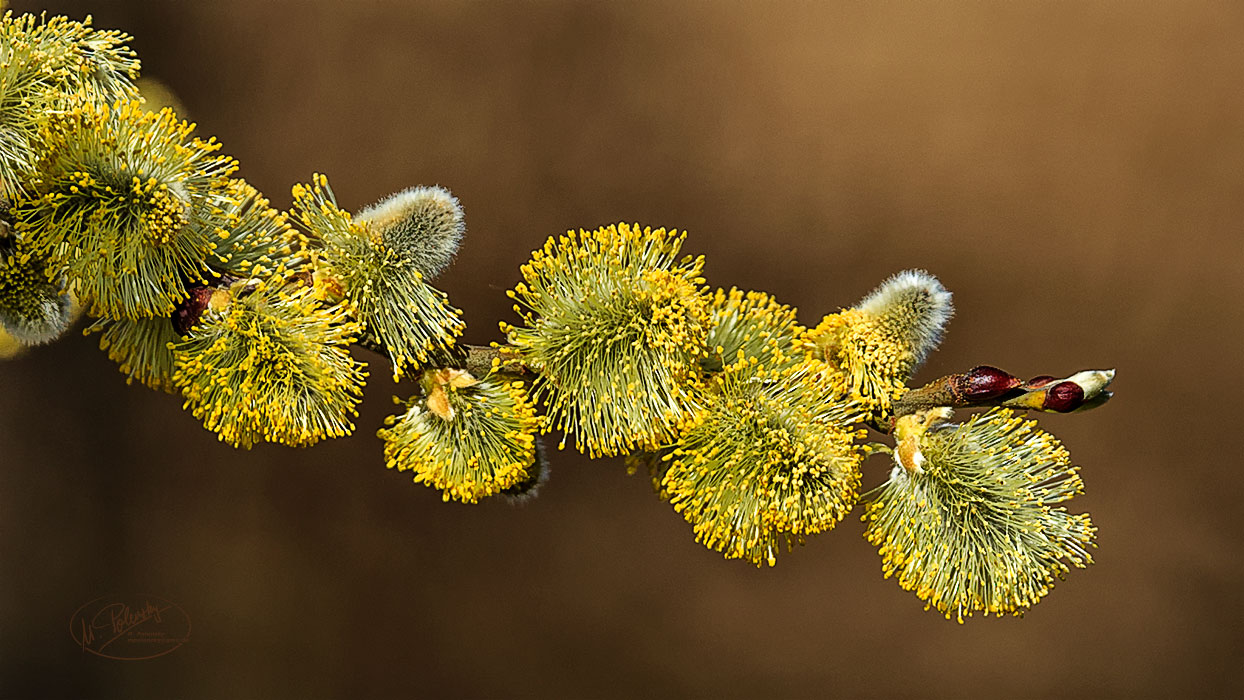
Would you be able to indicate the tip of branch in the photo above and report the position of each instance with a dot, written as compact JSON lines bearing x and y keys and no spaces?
{"x":1078,"y":392}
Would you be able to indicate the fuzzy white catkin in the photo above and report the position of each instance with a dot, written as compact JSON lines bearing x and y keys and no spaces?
{"x":424,"y":223}
{"x":919,"y":306}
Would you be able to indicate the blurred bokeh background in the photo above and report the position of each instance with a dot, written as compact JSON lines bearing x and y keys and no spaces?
{"x":1073,"y":172}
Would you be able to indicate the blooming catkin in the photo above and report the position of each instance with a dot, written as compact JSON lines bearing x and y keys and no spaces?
{"x":380,"y":277}
{"x":742,"y":326}
{"x":615,"y":325}
{"x":250,"y":238}
{"x":122,"y":203}
{"x":469,"y":438}
{"x":883,"y":339}
{"x":271,"y":363}
{"x":969,"y":521}
{"x":747,"y":325}
{"x":771,"y":459}
{"x":42,"y":61}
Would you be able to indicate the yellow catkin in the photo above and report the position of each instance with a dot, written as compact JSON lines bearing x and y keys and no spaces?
{"x":252,"y":239}
{"x":615,"y":325}
{"x":771,"y":459}
{"x":479,"y":440}
{"x":976,"y":528}
{"x":272,"y":365}
{"x":44,"y":63}
{"x":123,"y":204}
{"x":751,"y":324}
{"x":743,"y":325}
{"x":383,"y":283}
{"x":882,"y":340}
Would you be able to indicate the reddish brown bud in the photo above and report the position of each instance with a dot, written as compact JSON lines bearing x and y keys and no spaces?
{"x":189,"y":311}
{"x":1063,"y":397}
{"x":982,"y":384}
{"x":1040,"y":381}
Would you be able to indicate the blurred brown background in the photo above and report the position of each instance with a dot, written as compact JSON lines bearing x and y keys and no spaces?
{"x":1073,"y":172}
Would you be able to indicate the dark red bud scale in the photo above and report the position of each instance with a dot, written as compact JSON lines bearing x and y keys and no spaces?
{"x":1040,"y":381}
{"x":188,"y":312}
{"x":1063,"y":397}
{"x":983,"y":383}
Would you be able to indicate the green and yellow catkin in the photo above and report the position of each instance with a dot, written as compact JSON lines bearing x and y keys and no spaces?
{"x":44,"y":62}
{"x":120,"y":204}
{"x":379,"y":273}
{"x":140,"y":348}
{"x":969,"y":518}
{"x":28,"y":95}
{"x":271,"y":362}
{"x":880,"y":342}
{"x":250,"y":240}
{"x":470,"y":438}
{"x":750,"y":325}
{"x":33,"y":308}
{"x":742,"y":325}
{"x":96,"y":63}
{"x":615,"y":324}
{"x":771,"y":459}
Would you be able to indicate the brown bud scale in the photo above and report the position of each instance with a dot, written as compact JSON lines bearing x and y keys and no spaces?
{"x":189,"y":311}
{"x":982,"y":383}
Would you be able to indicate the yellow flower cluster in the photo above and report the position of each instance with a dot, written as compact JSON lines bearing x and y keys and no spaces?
{"x":382,"y":281}
{"x":874,"y":360}
{"x":615,"y":325}
{"x":120,"y":202}
{"x":251,"y":239}
{"x":969,"y":519}
{"x":771,"y":458}
{"x":469,"y":438}
{"x":271,"y":362}
{"x":42,"y":64}
{"x":742,"y":326}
